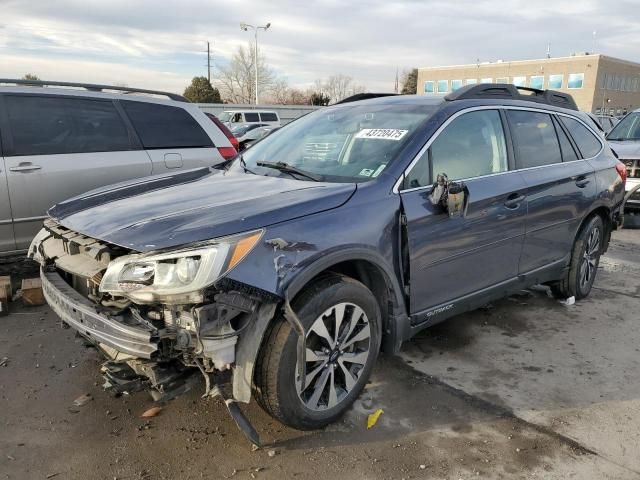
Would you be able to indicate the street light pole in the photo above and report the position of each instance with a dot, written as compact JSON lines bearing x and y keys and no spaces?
{"x":246,"y":27}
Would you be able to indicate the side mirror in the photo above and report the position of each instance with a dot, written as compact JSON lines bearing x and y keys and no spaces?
{"x":452,"y":197}
{"x":457,"y":199}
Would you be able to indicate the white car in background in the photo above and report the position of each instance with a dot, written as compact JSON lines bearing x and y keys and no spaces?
{"x":624,"y":139}
{"x":231,"y":118}
{"x":247,"y":135}
{"x":61,"y":139}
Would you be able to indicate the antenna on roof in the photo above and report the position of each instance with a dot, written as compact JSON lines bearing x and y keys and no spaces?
{"x":548,"y":49}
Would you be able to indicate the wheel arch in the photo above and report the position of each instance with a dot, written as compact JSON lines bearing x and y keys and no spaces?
{"x":370,"y":269}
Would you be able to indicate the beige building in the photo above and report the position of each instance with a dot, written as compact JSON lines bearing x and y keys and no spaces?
{"x":596,"y":82}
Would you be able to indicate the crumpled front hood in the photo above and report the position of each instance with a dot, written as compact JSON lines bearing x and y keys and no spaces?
{"x":191,"y":206}
{"x":626,"y":150}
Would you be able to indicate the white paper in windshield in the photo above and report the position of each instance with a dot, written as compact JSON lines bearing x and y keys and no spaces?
{"x":382,"y":133}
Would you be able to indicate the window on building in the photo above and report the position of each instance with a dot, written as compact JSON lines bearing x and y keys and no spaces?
{"x":587,"y":142}
{"x":536,"y":81}
{"x":455,"y":85}
{"x":486,"y":80}
{"x":48,"y":125}
{"x":520,"y":81}
{"x":555,"y":81}
{"x":471,"y":81}
{"x":535,"y":138}
{"x":472,"y":145}
{"x":575,"y":80}
{"x":611,"y":80}
{"x":165,"y":126}
{"x":443,"y":86}
{"x":502,"y":80}
{"x":428,"y":86}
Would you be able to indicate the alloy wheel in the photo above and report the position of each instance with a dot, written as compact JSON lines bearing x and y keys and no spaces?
{"x":337,"y":348}
{"x":590,"y":259}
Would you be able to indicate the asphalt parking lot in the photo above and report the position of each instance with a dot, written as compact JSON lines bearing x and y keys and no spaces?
{"x":524,"y":388}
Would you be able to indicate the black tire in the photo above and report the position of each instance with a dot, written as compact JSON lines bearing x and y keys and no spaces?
{"x":275,"y":373}
{"x":573,"y":284}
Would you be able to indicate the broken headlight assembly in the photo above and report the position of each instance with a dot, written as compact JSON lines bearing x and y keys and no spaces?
{"x":178,"y":276}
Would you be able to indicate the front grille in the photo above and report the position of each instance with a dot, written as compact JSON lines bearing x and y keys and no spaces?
{"x":633,"y":168}
{"x":79,"y":259}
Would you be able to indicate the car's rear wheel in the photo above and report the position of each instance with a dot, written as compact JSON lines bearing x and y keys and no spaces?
{"x":342,"y":321}
{"x":585,"y":258}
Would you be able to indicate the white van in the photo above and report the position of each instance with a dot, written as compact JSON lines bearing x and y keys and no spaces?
{"x":231,"y":118}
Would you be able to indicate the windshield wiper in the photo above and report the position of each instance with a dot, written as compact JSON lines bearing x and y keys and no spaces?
{"x":290,"y":169}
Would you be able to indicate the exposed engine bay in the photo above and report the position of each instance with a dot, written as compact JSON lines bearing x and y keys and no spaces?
{"x":149,"y":343}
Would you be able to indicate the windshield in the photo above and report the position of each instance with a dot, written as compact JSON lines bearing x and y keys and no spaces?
{"x":225,"y":116}
{"x":240,"y":130}
{"x":350,"y":143}
{"x":627,"y":129}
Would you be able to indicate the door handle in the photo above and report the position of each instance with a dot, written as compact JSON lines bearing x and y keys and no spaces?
{"x":514,"y":200}
{"x":582,"y":182}
{"x":25,"y":168}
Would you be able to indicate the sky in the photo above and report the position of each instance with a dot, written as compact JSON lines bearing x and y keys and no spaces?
{"x":161,"y":44}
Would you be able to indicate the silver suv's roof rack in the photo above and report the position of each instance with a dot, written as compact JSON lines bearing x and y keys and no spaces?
{"x":507,"y":90}
{"x":91,"y":87}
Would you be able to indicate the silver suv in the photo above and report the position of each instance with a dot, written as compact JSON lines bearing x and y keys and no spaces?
{"x":58,"y":140}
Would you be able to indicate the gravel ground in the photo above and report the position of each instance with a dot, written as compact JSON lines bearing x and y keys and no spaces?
{"x":460,"y":402}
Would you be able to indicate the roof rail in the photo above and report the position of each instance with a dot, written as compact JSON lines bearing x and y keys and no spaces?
{"x":364,"y":96}
{"x":91,"y":87}
{"x":507,"y":90}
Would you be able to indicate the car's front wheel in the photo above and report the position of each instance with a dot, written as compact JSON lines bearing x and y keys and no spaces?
{"x":342,"y":323}
{"x":585,"y":258}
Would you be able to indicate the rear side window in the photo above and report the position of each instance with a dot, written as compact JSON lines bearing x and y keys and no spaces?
{"x":587,"y":142}
{"x":48,"y":125}
{"x":268,"y":117}
{"x":535,"y":137}
{"x":568,"y":152}
{"x":165,"y":126}
{"x":251,"y":117}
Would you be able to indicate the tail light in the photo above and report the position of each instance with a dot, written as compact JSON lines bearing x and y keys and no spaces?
{"x":227,"y":152}
{"x":233,"y":140}
{"x":621,"y":168}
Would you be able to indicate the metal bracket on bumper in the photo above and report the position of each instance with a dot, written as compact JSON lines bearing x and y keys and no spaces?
{"x":79,"y":313}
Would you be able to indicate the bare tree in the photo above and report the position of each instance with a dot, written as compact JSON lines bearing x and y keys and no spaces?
{"x":338,"y":87}
{"x":236,"y":81}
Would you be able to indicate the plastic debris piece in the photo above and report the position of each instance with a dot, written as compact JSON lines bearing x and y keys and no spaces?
{"x":4,"y":362}
{"x":373,"y":418}
{"x":568,"y":301}
{"x":152,"y":412}
{"x":82,"y":399}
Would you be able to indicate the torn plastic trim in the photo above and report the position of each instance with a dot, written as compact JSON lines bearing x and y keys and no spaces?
{"x":293,"y":319}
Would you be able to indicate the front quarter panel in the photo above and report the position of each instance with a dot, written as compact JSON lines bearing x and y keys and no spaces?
{"x":364,"y":228}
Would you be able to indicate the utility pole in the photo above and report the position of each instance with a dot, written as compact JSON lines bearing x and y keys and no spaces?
{"x":208,"y":63}
{"x":396,"y":79}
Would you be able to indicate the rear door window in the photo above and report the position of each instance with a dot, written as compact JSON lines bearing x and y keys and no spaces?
{"x":587,"y":142}
{"x":251,"y":117}
{"x":48,"y":125}
{"x":268,"y":117}
{"x":568,"y":152}
{"x":165,"y":126}
{"x":535,"y":138}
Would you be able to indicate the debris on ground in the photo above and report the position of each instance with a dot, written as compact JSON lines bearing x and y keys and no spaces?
{"x":568,"y":301}
{"x":32,"y":295}
{"x":4,"y":362}
{"x":152,"y":412}
{"x":373,"y":418}
{"x":272,"y":453}
{"x":82,"y":399}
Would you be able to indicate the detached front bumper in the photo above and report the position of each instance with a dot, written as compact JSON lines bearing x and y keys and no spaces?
{"x":79,"y":313}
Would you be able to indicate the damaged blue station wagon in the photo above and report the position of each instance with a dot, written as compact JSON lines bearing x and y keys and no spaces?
{"x":347,"y":231}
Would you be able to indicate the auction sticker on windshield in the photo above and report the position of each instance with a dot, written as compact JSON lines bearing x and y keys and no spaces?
{"x":382,"y":133}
